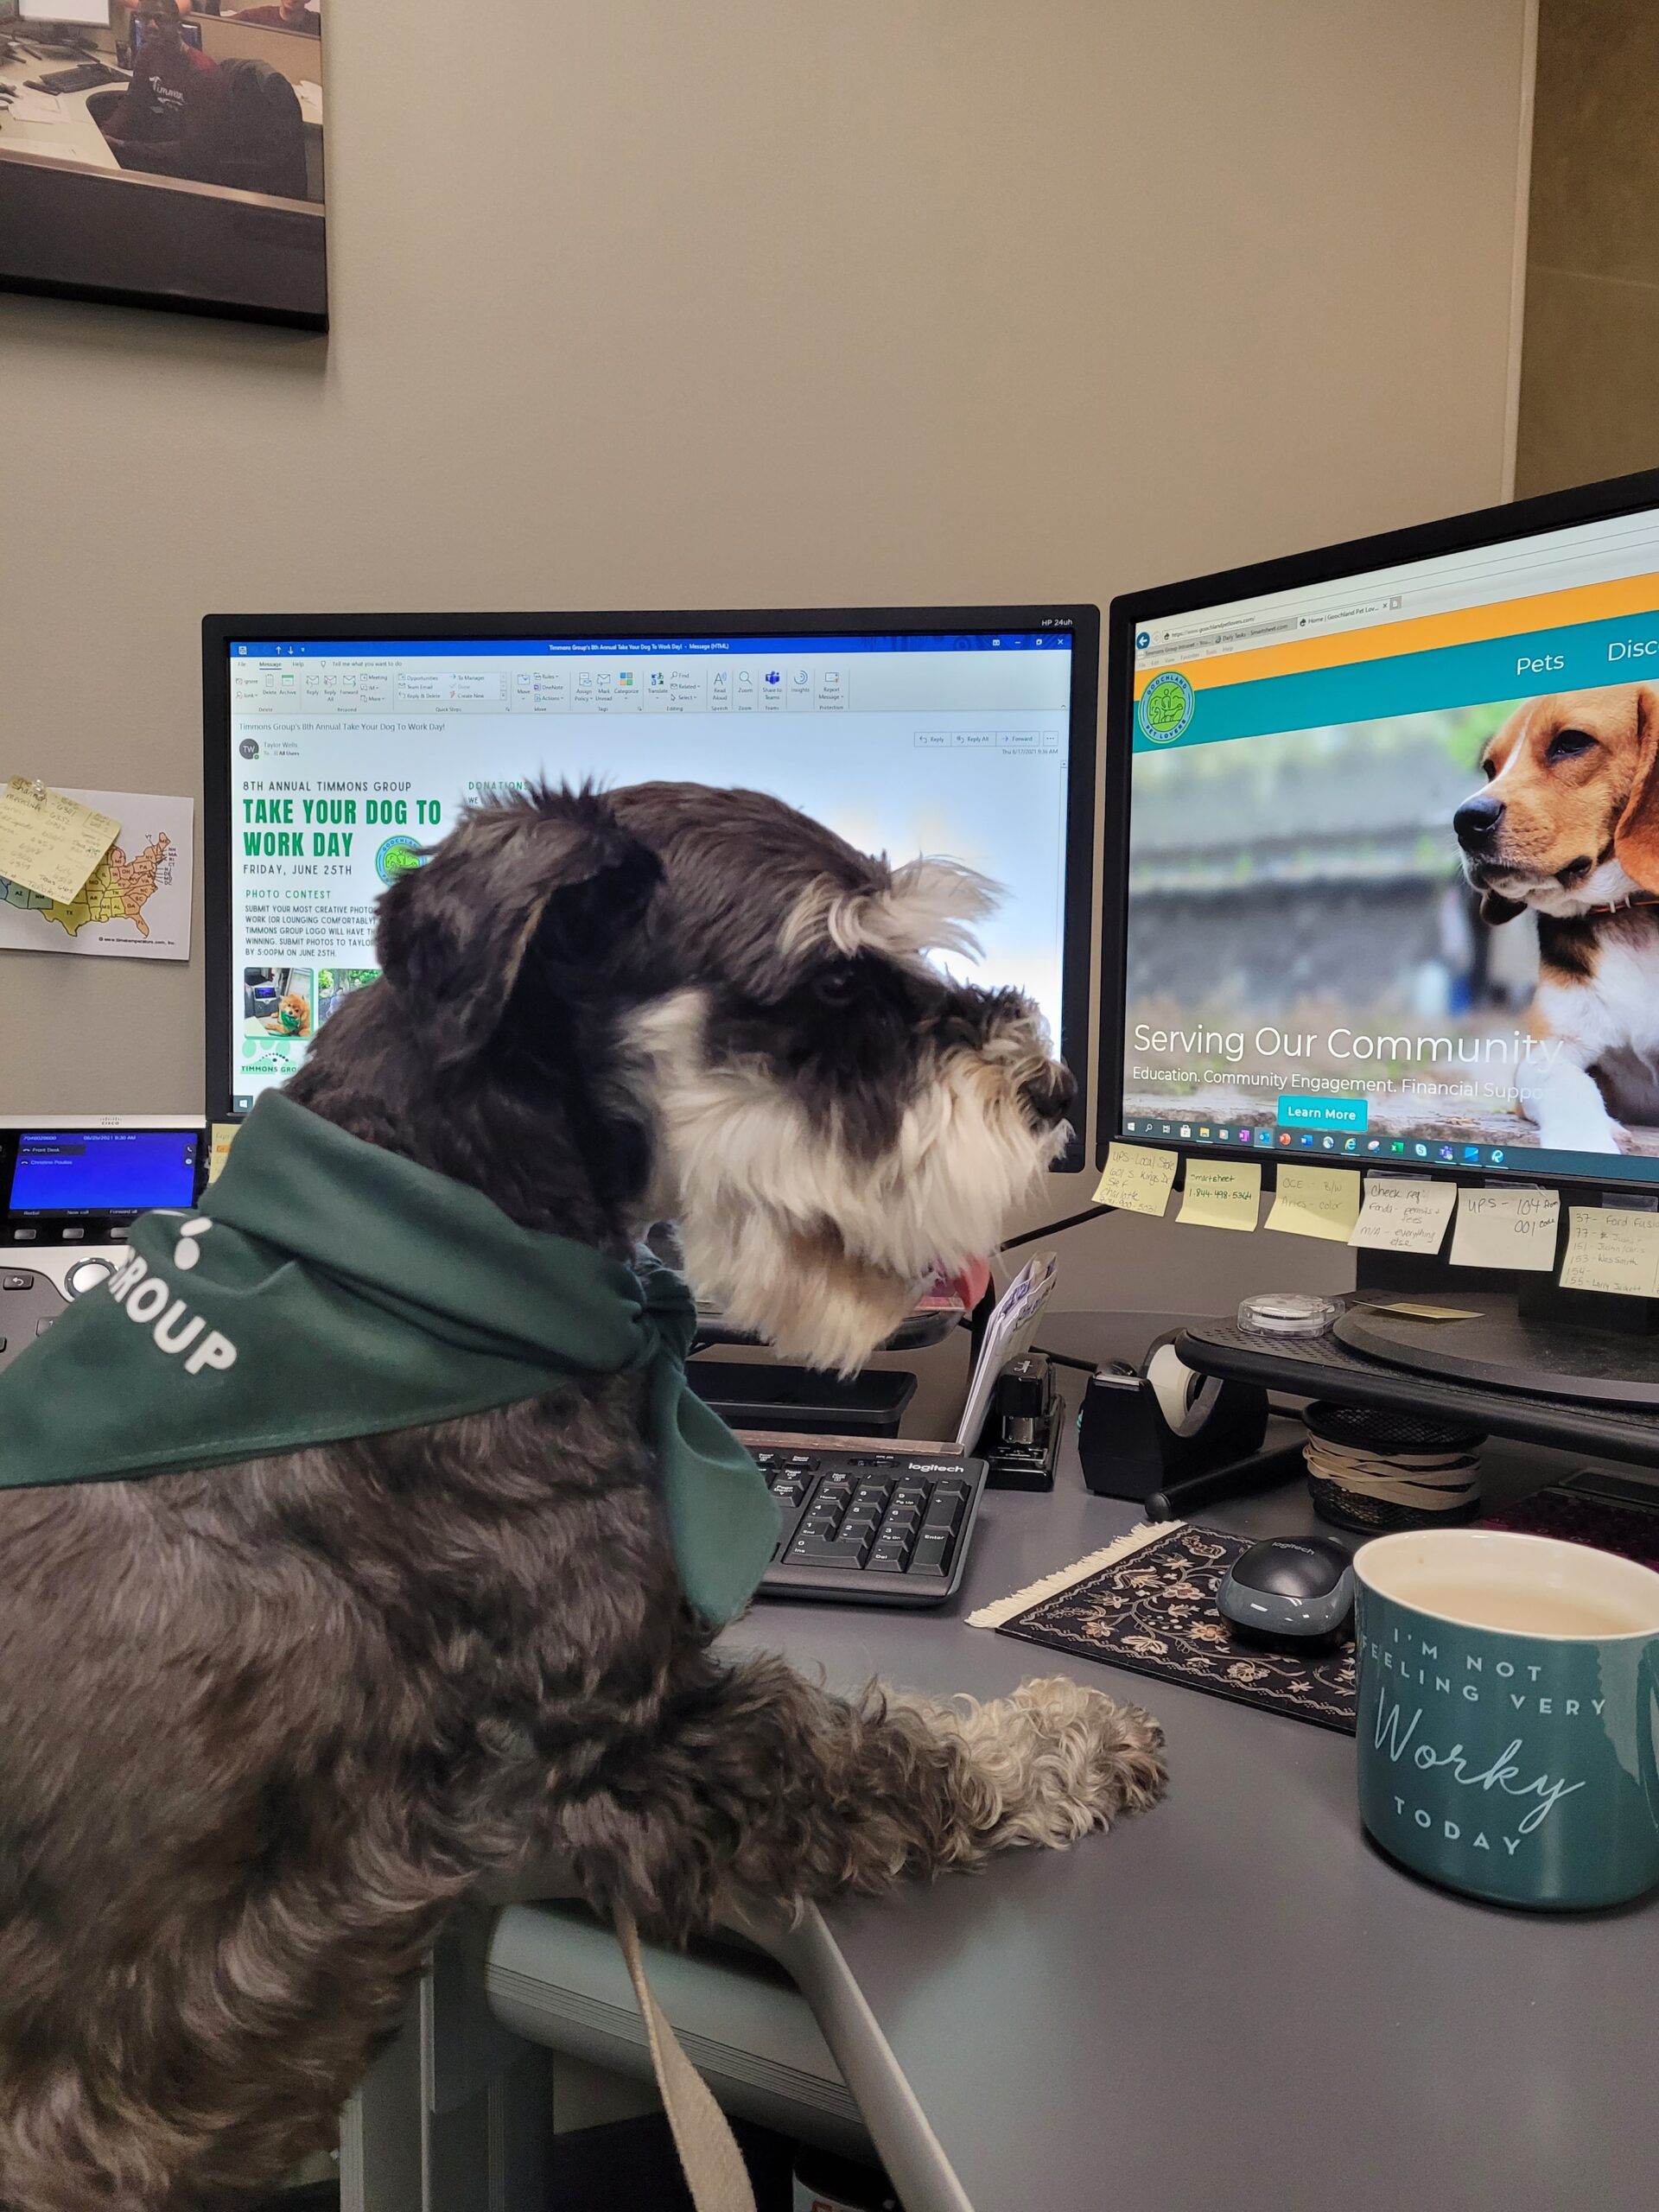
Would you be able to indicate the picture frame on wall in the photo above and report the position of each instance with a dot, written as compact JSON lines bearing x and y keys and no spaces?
{"x":166,"y":154}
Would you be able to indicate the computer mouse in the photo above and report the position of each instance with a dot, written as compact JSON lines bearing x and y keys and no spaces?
{"x":1293,"y":1590}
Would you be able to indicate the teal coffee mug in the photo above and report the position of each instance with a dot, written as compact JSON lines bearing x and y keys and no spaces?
{"x":1509,"y":1701}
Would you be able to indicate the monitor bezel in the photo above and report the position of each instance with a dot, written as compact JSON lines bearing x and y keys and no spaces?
{"x":1079,"y":621}
{"x":1463,"y":533}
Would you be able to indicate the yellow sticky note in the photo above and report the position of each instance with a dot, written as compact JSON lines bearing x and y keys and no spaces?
{"x":223,"y":1136}
{"x":1137,"y":1179}
{"x":1609,"y":1248}
{"x":1403,"y":1217}
{"x":1506,"y":1229}
{"x":49,"y":844}
{"x":1316,"y":1202}
{"x":1220,"y":1194}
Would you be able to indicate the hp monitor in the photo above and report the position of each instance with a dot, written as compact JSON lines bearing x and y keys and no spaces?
{"x":339,"y":748}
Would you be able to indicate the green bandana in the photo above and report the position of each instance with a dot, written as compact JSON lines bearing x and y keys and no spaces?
{"x":328,"y":1289}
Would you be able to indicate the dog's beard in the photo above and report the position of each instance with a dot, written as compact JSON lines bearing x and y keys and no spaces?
{"x":798,"y":1240}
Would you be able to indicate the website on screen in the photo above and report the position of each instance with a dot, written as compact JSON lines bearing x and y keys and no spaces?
{"x":1394,"y":864}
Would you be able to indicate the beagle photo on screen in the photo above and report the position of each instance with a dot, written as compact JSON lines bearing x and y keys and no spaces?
{"x":1568,"y":825}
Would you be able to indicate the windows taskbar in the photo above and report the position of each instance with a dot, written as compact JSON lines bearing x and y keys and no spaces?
{"x":1415,"y":1153}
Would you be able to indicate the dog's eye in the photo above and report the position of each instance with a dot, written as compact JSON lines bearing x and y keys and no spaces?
{"x":1567,"y":744}
{"x":836,"y":986}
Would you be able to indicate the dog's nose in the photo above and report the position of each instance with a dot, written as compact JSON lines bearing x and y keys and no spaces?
{"x":1047,"y":1096}
{"x":1476,"y":820}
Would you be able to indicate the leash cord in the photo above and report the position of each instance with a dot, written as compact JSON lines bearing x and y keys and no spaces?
{"x":713,"y":2165}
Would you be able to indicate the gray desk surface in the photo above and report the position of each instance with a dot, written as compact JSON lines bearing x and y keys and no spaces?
{"x":1235,"y":1998}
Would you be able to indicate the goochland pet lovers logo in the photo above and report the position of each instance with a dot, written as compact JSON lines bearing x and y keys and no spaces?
{"x":1414,"y":1742}
{"x":149,"y":1300}
{"x":396,"y":858}
{"x":1166,"y":707}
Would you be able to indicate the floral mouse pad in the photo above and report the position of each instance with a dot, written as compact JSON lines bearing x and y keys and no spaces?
{"x":1148,"y":1603}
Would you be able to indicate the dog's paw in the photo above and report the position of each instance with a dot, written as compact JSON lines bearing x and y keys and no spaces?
{"x":1110,"y":1756}
{"x":1055,"y":1761}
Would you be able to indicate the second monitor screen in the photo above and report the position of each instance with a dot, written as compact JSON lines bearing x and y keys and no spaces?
{"x":1379,"y":850}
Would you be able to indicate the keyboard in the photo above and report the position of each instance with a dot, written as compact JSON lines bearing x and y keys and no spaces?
{"x":81,"y":79}
{"x":869,"y":1524}
{"x":30,"y":1303}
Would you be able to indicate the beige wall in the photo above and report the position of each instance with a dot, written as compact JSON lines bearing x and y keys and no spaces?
{"x":649,"y":304}
{"x":1589,"y":395}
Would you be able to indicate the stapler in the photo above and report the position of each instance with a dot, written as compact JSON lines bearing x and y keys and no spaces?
{"x":1021,"y":1436}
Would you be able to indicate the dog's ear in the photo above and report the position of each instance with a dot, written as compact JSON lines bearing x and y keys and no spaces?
{"x":1636,"y":837}
{"x":1495,"y":912}
{"x":554,"y":873}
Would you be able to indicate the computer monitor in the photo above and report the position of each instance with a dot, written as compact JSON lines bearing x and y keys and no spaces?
{"x":94,"y":14}
{"x":338,"y":748}
{"x":1382,"y":852}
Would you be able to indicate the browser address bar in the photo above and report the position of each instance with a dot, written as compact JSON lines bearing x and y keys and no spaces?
{"x":1199,"y":638}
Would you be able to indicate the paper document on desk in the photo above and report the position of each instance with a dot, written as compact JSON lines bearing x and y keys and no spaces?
{"x":134,"y":905}
{"x":1008,"y":1333}
{"x":35,"y":107}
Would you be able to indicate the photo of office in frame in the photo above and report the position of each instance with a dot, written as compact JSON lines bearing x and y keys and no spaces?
{"x":165,"y":154}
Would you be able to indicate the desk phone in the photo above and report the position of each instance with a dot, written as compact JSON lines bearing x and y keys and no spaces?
{"x":67,"y":1199}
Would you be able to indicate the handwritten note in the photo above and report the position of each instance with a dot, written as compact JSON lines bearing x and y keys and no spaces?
{"x":1137,"y":1179}
{"x":1220,"y":1194}
{"x":1402,"y":1217}
{"x":49,"y":844}
{"x":1506,"y":1229}
{"x":1609,"y":1248}
{"x":1316,"y":1202}
{"x":222,"y":1136}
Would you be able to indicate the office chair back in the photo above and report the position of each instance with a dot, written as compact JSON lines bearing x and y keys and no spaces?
{"x":261,"y":142}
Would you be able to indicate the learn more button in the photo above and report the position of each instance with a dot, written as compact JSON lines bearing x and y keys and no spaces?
{"x":1322,"y":1114}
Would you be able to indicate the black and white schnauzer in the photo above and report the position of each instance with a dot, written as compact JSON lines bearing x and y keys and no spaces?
{"x":261,"y":1728}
